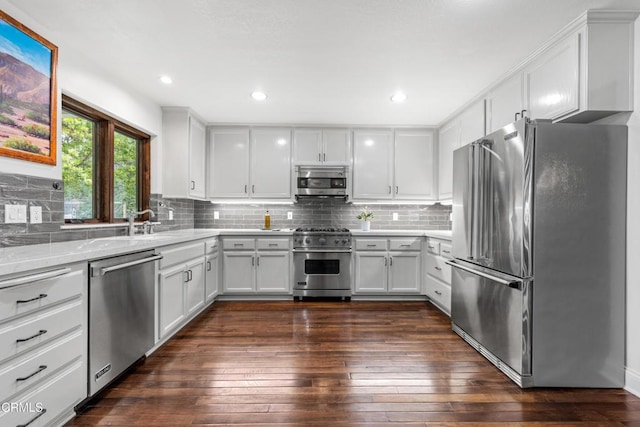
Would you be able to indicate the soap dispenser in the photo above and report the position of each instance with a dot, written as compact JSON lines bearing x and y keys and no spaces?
{"x":267,"y":220}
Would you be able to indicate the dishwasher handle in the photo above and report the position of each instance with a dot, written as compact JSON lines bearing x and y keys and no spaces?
{"x":106,"y":270}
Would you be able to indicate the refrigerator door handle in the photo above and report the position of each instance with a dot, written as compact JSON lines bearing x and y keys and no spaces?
{"x":514,"y":284}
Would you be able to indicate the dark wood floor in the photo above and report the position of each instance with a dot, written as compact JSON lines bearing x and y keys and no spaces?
{"x":337,"y":364}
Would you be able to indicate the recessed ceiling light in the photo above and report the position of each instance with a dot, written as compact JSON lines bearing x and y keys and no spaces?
{"x":399,"y":97}
{"x":166,"y":80}
{"x":259,"y":96}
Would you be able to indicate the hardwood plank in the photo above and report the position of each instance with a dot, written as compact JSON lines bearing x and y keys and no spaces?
{"x":322,"y":363}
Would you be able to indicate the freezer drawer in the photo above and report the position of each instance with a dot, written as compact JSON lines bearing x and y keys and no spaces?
{"x":494,"y":310}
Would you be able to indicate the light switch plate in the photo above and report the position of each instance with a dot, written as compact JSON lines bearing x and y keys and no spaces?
{"x":35,"y":214}
{"x":289,"y":215}
{"x":15,"y":214}
{"x":395,"y":216}
{"x":216,"y":215}
{"x":170,"y":215}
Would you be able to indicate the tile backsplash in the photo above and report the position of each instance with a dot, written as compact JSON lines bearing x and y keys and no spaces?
{"x":317,"y":213}
{"x":48,"y":194}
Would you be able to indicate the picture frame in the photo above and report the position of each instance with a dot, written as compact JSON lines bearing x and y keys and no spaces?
{"x":28,"y":93}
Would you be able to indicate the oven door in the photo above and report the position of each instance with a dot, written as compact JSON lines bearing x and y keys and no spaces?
{"x":321,"y":272}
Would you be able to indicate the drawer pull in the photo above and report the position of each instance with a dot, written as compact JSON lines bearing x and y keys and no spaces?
{"x":208,"y":265}
{"x":371,"y":245}
{"x":438,"y":268}
{"x":431,"y":247}
{"x":236,"y":245}
{"x":446,"y":251}
{"x":34,"y":278}
{"x":272,"y":245}
{"x":40,"y":369}
{"x":405,"y":246}
{"x":438,"y":293}
{"x":34,"y":418}
{"x":42,"y":332}
{"x":24,"y":301}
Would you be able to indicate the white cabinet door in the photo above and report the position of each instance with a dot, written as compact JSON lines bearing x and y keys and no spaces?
{"x":414,"y":168}
{"x":472,"y":123}
{"x":171,"y":299}
{"x":238,"y":272}
{"x":504,"y":102}
{"x":371,"y":272}
{"x":194,"y":286}
{"x":307,"y":146}
{"x":271,"y":163}
{"x":372,"y":164}
{"x":229,"y":163}
{"x":404,"y":272}
{"x":336,"y":147}
{"x":272,"y":272}
{"x":211,"y":277}
{"x":552,"y":82}
{"x":449,"y":138}
{"x":197,"y":159}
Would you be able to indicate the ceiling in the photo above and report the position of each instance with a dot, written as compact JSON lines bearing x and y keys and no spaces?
{"x":319,"y":61}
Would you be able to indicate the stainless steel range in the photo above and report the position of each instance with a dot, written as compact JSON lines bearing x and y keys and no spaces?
{"x":322,"y":262}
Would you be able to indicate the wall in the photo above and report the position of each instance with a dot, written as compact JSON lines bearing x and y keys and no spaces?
{"x":83,"y":80}
{"x":334,"y":213}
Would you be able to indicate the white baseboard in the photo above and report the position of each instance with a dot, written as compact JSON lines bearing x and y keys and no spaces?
{"x":632,"y":381}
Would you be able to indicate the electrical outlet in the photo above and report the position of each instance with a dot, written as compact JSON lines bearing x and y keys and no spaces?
{"x":289,"y":215}
{"x":395,"y":216}
{"x":35,"y":214}
{"x":216,"y":215}
{"x":451,"y":217}
{"x":15,"y":214}
{"x":170,"y":215}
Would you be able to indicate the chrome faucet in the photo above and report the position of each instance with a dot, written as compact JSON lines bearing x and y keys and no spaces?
{"x":133,"y":215}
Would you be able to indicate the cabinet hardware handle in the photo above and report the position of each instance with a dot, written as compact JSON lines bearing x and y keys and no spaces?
{"x":370,"y":245}
{"x":24,"y":301}
{"x":193,"y":185}
{"x":253,"y":188}
{"x":41,"y":332}
{"x":33,"y":419}
{"x":319,"y":157}
{"x":324,"y":157}
{"x":516,"y":117}
{"x":405,"y":246}
{"x":190,"y":275}
{"x":385,"y":261}
{"x":208,"y":265}
{"x":253,"y":260}
{"x":446,"y":251}
{"x":245,"y":189}
{"x":272,"y":245}
{"x":34,"y":277}
{"x":438,"y":268}
{"x":438,"y":293}
{"x":258,"y":261}
{"x":396,"y":189}
{"x":389,"y":189}
{"x":431,"y":247}
{"x":186,"y":279}
{"x":235,"y":245}
{"x":390,"y":260}
{"x":522,"y":113}
{"x":40,"y":369}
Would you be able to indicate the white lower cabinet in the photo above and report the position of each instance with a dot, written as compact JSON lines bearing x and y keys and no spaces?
{"x":390,"y":266}
{"x":181,"y":285}
{"x":43,"y":345}
{"x":438,"y":273}
{"x":256,"y":266}
{"x":212,"y":277}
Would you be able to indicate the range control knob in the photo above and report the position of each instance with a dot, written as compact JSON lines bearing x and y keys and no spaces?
{"x":345,"y":241}
{"x":307,"y":240}
{"x":322,"y":240}
{"x":337,"y":241}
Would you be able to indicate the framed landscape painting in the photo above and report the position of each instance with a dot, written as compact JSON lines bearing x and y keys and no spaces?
{"x":28,"y":104}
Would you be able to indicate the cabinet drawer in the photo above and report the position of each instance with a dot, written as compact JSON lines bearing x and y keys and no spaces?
{"x":239,"y":244}
{"x":49,"y":400}
{"x":31,"y":368}
{"x":371,"y":245}
{"x":273,"y":244}
{"x":210,"y":246}
{"x":440,"y":293}
{"x":433,"y":247}
{"x":37,"y":294}
{"x":174,"y":255}
{"x":445,"y":250}
{"x":437,"y":267}
{"x":25,"y":333}
{"x":405,"y":244}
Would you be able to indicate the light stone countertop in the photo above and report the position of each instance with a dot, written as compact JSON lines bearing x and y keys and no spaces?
{"x":22,"y":259}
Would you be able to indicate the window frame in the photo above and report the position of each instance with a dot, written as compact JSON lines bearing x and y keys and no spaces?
{"x":103,"y":174}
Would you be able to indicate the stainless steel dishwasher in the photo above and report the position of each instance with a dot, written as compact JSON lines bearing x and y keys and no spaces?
{"x":121,"y":315}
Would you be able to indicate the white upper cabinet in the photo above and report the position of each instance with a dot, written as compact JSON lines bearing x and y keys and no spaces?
{"x":271,"y":163}
{"x":584,"y":73}
{"x":184,"y":154}
{"x":229,"y":163}
{"x":372,"y":164}
{"x":414,"y":165}
{"x":322,"y":146}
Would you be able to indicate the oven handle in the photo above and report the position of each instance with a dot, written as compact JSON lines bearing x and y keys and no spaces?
{"x":322,"y":251}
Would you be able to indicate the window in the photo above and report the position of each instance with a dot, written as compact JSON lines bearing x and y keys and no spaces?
{"x":105,"y":165}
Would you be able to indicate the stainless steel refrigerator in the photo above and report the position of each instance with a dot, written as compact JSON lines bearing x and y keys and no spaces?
{"x":538,"y":276}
